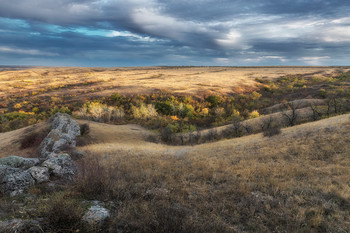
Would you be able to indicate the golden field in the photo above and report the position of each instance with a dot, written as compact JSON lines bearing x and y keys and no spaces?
{"x":84,"y":83}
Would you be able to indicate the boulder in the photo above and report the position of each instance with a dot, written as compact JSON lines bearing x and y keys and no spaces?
{"x":63,"y":132}
{"x":16,"y":183}
{"x":19,"y":162}
{"x":40,"y":174}
{"x":17,"y":173}
{"x":62,"y":166}
{"x":96,"y":215}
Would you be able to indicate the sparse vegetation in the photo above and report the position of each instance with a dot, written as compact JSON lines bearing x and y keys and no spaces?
{"x":296,"y":182}
{"x":62,"y":211}
{"x":269,"y":132}
{"x":33,"y":139}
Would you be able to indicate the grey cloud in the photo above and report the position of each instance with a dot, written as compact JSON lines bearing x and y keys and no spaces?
{"x":201,"y":31}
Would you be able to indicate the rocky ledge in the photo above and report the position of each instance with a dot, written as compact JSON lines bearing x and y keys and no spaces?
{"x":17,"y":174}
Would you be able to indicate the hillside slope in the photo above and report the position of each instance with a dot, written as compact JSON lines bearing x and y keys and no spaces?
{"x":130,"y":139}
{"x":298,"y":181}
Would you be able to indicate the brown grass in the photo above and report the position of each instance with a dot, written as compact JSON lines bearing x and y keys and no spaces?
{"x":23,"y":142}
{"x":295,"y":182}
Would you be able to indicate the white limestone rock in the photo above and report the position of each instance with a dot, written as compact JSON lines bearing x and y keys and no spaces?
{"x":96,"y":215}
{"x":19,"y":162}
{"x":61,"y":166}
{"x":64,"y":131}
{"x":16,"y":183}
{"x":40,"y":174}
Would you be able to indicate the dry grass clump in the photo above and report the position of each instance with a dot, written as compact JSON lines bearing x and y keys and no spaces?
{"x":94,"y":180}
{"x":84,"y":129}
{"x":62,"y":212}
{"x":32,"y":139}
{"x":269,"y":132}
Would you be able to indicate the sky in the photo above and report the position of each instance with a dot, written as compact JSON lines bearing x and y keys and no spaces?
{"x":110,"y":33}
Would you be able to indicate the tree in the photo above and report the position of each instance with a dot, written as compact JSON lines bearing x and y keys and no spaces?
{"x":166,"y":134}
{"x":291,"y":115}
{"x":247,"y":127}
{"x":237,"y":126}
{"x":266,"y":123}
{"x":316,"y":113}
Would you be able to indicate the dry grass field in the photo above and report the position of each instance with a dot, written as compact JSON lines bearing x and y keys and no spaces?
{"x":80,"y":84}
{"x":296,"y":181}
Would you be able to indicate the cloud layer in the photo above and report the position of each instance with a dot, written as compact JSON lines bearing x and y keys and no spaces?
{"x":162,"y":32}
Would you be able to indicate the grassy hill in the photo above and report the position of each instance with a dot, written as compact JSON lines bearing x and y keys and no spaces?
{"x":298,"y":181}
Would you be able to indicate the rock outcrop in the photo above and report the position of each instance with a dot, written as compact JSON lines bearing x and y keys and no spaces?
{"x":61,"y":166}
{"x":15,"y":183}
{"x":64,"y":131}
{"x":18,"y":174}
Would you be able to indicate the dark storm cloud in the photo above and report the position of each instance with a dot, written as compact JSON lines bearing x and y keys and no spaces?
{"x":150,"y":32}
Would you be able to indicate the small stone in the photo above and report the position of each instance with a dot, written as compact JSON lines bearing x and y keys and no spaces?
{"x":96,"y":215}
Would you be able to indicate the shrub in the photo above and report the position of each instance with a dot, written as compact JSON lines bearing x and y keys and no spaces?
{"x":100,"y":112}
{"x":62,"y":212}
{"x":18,"y":106}
{"x":84,"y":129}
{"x":254,"y":114}
{"x":144,"y":111}
{"x":35,"y":110}
{"x":32,"y":139}
{"x":185,"y":110}
{"x":214,"y":100}
{"x":61,"y":110}
{"x":212,"y":135}
{"x":166,"y":134}
{"x":271,"y":131}
{"x":219,"y":112}
{"x":323,"y":93}
{"x":93,"y":178}
{"x":237,"y":127}
{"x":164,"y":107}
{"x":204,"y":112}
{"x":116,"y":98}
